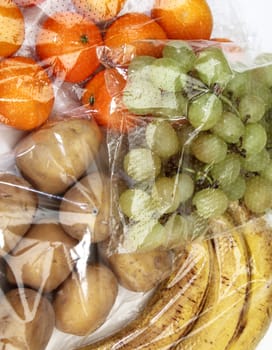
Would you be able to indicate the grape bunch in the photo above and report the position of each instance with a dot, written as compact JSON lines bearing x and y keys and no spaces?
{"x":208,"y":123}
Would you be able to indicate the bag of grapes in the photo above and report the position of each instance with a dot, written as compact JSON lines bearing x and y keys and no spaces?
{"x":188,"y":135}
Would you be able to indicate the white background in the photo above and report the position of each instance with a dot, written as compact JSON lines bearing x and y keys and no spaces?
{"x":256,"y":19}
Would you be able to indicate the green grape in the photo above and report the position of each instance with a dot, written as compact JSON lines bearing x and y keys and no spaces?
{"x":209,"y":148}
{"x":142,"y":164}
{"x":212,"y":67}
{"x":256,"y":162}
{"x":263,"y":73}
{"x":162,"y":138}
{"x":173,"y":107}
{"x":141,"y":97}
{"x":236,"y":189}
{"x":257,"y":196}
{"x":239,"y":85}
{"x":266,"y":173}
{"x":139,"y":63}
{"x":264,"y":59}
{"x":266,"y":122}
{"x":165,"y":195}
{"x":185,"y":133}
{"x":205,"y":111}
{"x":186,"y":84}
{"x":178,"y":231}
{"x":244,"y":83}
{"x":230,"y":128}
{"x":170,"y":105}
{"x":226,"y":171}
{"x":136,"y":204}
{"x":145,"y":236}
{"x":210,"y":202}
{"x":251,"y":108}
{"x":198,"y":226}
{"x":165,"y":74}
{"x":185,"y":187}
{"x":254,"y":138}
{"x":182,"y":52}
{"x":154,"y":86}
{"x":260,"y":90}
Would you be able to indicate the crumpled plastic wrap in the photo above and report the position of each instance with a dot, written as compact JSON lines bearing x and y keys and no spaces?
{"x":146,"y":224}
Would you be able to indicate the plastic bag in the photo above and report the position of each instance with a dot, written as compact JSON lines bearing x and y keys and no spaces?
{"x":103,"y":233}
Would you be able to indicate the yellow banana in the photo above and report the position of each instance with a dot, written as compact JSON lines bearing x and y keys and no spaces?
{"x":172,"y":309}
{"x":232,"y":312}
{"x":227,"y":291}
{"x":258,"y":312}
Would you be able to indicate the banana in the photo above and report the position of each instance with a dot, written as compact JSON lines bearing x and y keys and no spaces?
{"x":172,"y":309}
{"x":218,"y":298}
{"x":258,"y":313}
{"x":227,"y":293}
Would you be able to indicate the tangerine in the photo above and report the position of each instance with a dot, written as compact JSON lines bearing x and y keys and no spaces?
{"x":28,"y":3}
{"x":221,"y":40}
{"x":184,"y":19}
{"x":27,"y":95}
{"x":99,"y":10}
{"x":12,"y":29}
{"x":67,"y":43}
{"x":138,"y":30}
{"x":102,"y":96}
{"x":228,"y":45}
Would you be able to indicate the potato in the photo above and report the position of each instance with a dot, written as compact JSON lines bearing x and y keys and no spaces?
{"x":26,"y":320}
{"x":18,"y":204}
{"x":140,"y":272}
{"x":85,"y":299}
{"x":42,"y":260}
{"x":53,"y":157}
{"x":85,"y":208}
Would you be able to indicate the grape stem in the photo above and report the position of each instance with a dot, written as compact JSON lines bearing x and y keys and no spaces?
{"x":230,"y":104}
{"x":218,"y":92}
{"x":202,"y":176}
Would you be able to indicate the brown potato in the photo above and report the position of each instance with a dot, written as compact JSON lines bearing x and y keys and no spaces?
{"x":27,"y":320}
{"x":18,"y":204}
{"x":53,"y":157}
{"x":84,"y":300}
{"x":140,"y":272}
{"x":85,"y":208}
{"x":42,"y":260}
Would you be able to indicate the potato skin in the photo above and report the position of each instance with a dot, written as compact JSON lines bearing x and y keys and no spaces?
{"x":84,"y":301}
{"x":18,"y":204}
{"x":42,"y":260}
{"x":85,"y":208}
{"x":140,"y":272}
{"x":54,"y":156}
{"x":27,"y":320}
